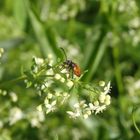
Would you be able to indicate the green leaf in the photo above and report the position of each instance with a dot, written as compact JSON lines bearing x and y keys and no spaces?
{"x":20,"y":13}
{"x":98,"y":58}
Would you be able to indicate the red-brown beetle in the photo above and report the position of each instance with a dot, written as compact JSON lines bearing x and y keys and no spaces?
{"x":70,"y":65}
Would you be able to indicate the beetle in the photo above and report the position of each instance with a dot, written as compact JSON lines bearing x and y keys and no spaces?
{"x":71,"y":66}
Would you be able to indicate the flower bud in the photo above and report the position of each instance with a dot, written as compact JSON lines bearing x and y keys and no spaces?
{"x":102,"y":98}
{"x":49,"y":95}
{"x":85,"y":116}
{"x":96,"y":103}
{"x":57,"y":76}
{"x":62,"y":79}
{"x":102,"y":83}
{"x":70,"y":84}
{"x":39,"y":108}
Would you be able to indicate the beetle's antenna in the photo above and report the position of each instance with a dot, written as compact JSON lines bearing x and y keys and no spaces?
{"x":64,"y":52}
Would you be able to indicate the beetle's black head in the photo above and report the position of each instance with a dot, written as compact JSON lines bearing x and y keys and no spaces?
{"x":69,"y":63}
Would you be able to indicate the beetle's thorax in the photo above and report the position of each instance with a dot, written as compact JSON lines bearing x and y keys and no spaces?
{"x":69,"y":63}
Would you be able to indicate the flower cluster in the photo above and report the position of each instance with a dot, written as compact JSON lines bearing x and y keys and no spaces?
{"x":15,"y":113}
{"x":54,"y":84}
{"x":83,"y":109}
{"x":68,"y":9}
{"x":51,"y":81}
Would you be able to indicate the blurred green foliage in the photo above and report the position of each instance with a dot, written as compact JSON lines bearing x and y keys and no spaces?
{"x":102,"y":34}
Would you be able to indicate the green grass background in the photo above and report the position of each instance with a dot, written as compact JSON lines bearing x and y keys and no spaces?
{"x":105,"y":34}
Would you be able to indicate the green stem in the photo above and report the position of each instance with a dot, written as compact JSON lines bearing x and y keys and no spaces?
{"x":82,"y":84}
{"x":21,"y":78}
{"x":134,"y":122}
{"x":118,"y":74}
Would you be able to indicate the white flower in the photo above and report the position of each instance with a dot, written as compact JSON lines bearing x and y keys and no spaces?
{"x":46,"y":101}
{"x":107,"y":88}
{"x":65,"y":96}
{"x":108,"y":97}
{"x":43,"y":87}
{"x":57,"y":94}
{"x":70,"y":83}
{"x":41,"y":116}
{"x":50,"y":107}
{"x":13,"y":97}
{"x":49,"y":95}
{"x":57,"y":76}
{"x":64,"y":71}
{"x":96,"y":103}
{"x":50,"y":72}
{"x":107,"y":100}
{"x":39,"y":61}
{"x":15,"y":115}
{"x":76,"y":105}
{"x":85,"y":116}
{"x":50,"y":56}
{"x":39,"y":108}
{"x":102,"y":97}
{"x":70,"y":113}
{"x":35,"y":122}
{"x":48,"y":83}
{"x":35,"y":70}
{"x":88,"y":112}
{"x":92,"y":107}
{"x":51,"y":62}
{"x":62,"y":79}
{"x":100,"y":109}
{"x":74,"y":114}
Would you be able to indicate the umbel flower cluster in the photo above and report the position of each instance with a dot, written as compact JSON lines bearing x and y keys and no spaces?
{"x":56,"y":87}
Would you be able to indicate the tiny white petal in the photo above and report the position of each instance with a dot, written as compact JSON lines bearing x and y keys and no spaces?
{"x":100,"y":109}
{"x":92,"y":107}
{"x":107,"y":88}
